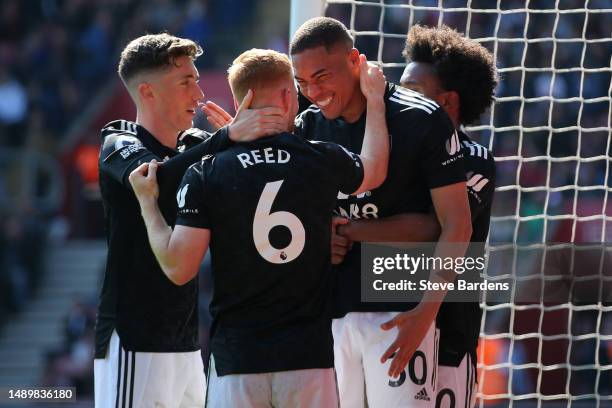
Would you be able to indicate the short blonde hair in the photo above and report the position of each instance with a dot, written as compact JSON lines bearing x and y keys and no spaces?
{"x":256,"y":69}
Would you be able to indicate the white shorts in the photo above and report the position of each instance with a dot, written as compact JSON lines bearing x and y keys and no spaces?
{"x":128,"y":379}
{"x":457,"y":385}
{"x":359,"y":343}
{"x":314,"y":388}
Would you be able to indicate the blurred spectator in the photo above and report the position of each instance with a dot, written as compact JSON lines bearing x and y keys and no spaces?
{"x":13,"y":109}
{"x":57,"y":56}
{"x":71,"y":365}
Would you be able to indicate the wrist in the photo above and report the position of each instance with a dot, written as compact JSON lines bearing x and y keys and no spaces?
{"x":375,"y":101}
{"x":148,"y":203}
{"x":231,"y":132}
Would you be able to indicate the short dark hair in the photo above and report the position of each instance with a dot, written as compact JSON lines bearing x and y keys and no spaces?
{"x":154,"y":52}
{"x":461,"y":64}
{"x":320,"y":32}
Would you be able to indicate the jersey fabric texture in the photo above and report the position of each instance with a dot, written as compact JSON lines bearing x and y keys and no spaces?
{"x":425,"y":154}
{"x":148,"y":311}
{"x":268,"y":205}
{"x":459,"y":323}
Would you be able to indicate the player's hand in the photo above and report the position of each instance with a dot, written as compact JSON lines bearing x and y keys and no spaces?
{"x":250,"y":124}
{"x":339,"y":245}
{"x":371,"y":80}
{"x":412,"y":327}
{"x":216,"y":115}
{"x":144,"y":181}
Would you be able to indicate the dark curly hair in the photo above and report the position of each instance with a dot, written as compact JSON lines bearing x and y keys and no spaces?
{"x":461,"y":64}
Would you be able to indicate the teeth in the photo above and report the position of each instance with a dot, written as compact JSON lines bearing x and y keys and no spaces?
{"x":324,"y":102}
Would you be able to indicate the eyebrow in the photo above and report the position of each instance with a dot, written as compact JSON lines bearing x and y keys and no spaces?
{"x":312,"y":76}
{"x":187,"y":76}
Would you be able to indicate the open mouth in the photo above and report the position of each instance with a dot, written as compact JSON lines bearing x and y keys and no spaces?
{"x":324,"y":102}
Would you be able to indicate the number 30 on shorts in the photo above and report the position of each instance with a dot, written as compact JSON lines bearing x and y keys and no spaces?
{"x":411,"y":370}
{"x":265,"y":220}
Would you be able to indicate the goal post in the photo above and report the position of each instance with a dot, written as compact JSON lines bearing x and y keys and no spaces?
{"x":550,"y":130}
{"x":302,"y":10}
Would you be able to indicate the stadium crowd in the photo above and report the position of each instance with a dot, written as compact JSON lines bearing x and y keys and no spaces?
{"x":55,"y":56}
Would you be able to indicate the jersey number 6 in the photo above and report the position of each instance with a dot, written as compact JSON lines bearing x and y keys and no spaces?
{"x":265,"y":220}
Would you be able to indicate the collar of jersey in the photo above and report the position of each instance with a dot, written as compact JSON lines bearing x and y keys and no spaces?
{"x":153,"y":144}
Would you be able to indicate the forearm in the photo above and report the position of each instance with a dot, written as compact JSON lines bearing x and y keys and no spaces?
{"x":159,"y":234}
{"x":375,"y":148}
{"x":453,"y":243}
{"x":411,"y":227}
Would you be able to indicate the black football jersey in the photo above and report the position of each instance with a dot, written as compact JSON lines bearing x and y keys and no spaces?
{"x":459,"y":323}
{"x":149,"y":312}
{"x":268,"y":205}
{"x":425,"y":154}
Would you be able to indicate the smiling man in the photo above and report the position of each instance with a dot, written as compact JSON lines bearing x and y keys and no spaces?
{"x":423,"y":173}
{"x":265,"y":208}
{"x":147,"y":348}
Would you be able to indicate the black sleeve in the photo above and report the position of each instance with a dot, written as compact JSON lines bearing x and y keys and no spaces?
{"x":190,"y":198}
{"x":122,"y":153}
{"x":441,"y":158}
{"x":347,"y":167}
{"x":171,"y":172}
{"x":302,"y":123}
{"x":480,"y":182}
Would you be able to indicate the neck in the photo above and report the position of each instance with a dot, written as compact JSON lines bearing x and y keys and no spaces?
{"x":156,"y":126}
{"x":453,"y":114}
{"x":356,"y":106}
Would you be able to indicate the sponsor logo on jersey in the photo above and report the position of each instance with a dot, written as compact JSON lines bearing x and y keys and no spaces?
{"x":422,"y":395}
{"x":452,"y":145}
{"x":357,"y":211}
{"x":342,"y":196}
{"x":180,"y":196}
{"x":477,"y":181}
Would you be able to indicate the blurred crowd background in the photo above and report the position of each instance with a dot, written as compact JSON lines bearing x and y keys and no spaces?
{"x":58,"y":86}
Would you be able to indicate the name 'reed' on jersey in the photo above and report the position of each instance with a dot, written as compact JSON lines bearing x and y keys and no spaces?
{"x":268,"y":204}
{"x":425,"y":153}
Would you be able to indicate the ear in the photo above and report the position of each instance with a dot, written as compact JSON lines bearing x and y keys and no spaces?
{"x":144,"y":91}
{"x":286,"y":99}
{"x":451,"y":104}
{"x":236,"y":105}
{"x":451,"y":100}
{"x":354,"y":57}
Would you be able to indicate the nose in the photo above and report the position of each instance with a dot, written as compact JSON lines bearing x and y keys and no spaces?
{"x":198,"y":94}
{"x":311,"y":91}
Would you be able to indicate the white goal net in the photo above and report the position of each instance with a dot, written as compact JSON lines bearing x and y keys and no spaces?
{"x":550,"y":131}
